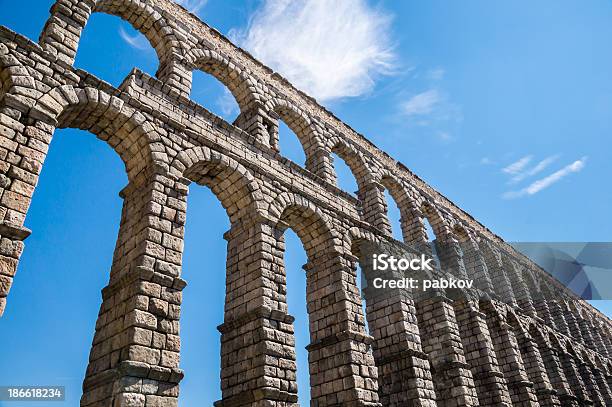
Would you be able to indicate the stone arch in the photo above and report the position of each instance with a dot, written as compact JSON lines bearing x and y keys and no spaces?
{"x":62,"y":32}
{"x":354,"y":160}
{"x":436,"y":220}
{"x":337,"y":325}
{"x":305,"y":130}
{"x":239,"y":82}
{"x":411,"y":225}
{"x":309,"y":223}
{"x":124,"y":129}
{"x":234,"y":185}
{"x":473,"y":258}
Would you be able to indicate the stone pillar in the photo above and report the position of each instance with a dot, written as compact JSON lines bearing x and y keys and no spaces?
{"x":536,"y":371}
{"x":259,"y":124}
{"x":604,"y":389}
{"x":521,"y":290}
{"x":495,"y":266}
{"x":556,"y":375}
{"x":558,"y":316}
{"x":134,"y":360}
{"x":591,"y":387}
{"x":176,"y":76}
{"x":574,"y":379}
{"x":451,"y":257}
{"x":23,"y":148}
{"x":404,"y":373}
{"x":62,"y":32}
{"x":372,"y":196}
{"x":11,"y":247}
{"x":541,"y":305}
{"x":572,"y":323}
{"x":475,"y":265}
{"x":508,"y":353}
{"x":441,"y":340}
{"x":342,"y":368}
{"x":599,"y":343}
{"x":480,"y":355}
{"x":586,"y":330}
{"x":257,"y":337}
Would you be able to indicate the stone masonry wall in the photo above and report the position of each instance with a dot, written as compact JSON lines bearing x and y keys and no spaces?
{"x":444,"y":351}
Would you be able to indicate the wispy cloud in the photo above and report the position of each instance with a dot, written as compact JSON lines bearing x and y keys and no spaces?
{"x":193,"y":6}
{"x":547,"y":181}
{"x":329,"y":55}
{"x":421,"y":104}
{"x":536,"y":169}
{"x":433,"y":109}
{"x":137,"y":40}
{"x":517,"y":166}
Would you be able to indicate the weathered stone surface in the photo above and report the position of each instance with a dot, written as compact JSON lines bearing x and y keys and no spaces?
{"x":503,"y":346}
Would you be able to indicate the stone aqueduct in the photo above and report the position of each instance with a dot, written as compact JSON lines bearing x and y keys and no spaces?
{"x":524,"y":351}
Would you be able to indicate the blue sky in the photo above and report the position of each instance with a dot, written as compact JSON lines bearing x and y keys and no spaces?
{"x":502,"y":106}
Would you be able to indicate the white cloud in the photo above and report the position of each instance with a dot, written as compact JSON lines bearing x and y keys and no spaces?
{"x":549,"y":180}
{"x":329,"y":54}
{"x":517,"y":166}
{"x":137,"y":41}
{"x":193,"y":6}
{"x":421,"y":104}
{"x":539,"y":167}
{"x":486,"y":161}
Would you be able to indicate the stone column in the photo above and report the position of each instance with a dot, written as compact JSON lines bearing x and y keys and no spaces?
{"x":599,"y":343}
{"x":451,"y":257}
{"x":257,"y":337}
{"x":591,"y":387}
{"x":574,"y":379}
{"x":521,"y":290}
{"x":602,"y":385}
{"x":586,"y":330}
{"x":572,"y":323}
{"x":541,"y":305}
{"x":475,"y":265}
{"x":480,"y":355}
{"x":404,"y":373}
{"x":495,"y":266}
{"x":342,"y":369}
{"x":176,"y":76}
{"x":441,"y":340}
{"x":558,"y":316}
{"x":62,"y":32}
{"x":23,"y":148}
{"x":556,"y":375}
{"x":134,"y":360}
{"x":536,"y":371}
{"x":372,"y":196}
{"x":508,"y":353}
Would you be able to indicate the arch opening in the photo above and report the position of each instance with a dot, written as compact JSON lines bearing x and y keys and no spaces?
{"x":77,"y":203}
{"x":227,"y":183}
{"x":290,"y":145}
{"x":203,"y":297}
{"x":124,"y":49}
{"x":208,"y":91}
{"x":346,"y":179}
